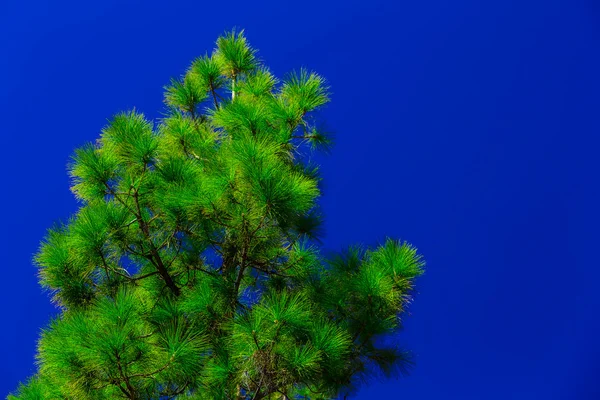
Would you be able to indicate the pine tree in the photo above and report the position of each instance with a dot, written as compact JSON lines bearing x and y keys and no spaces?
{"x":192,"y":270}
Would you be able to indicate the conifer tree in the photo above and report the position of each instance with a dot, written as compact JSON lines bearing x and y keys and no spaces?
{"x":192,"y":269}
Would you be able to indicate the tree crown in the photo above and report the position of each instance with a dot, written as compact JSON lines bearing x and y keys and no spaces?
{"x":192,"y":270}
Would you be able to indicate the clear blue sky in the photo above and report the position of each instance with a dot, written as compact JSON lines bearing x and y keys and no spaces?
{"x":468,"y":128}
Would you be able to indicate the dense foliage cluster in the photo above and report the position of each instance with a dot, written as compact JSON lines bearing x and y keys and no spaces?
{"x":191,"y":269}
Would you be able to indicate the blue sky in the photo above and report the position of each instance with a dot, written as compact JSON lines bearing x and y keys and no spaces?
{"x":468,"y":128}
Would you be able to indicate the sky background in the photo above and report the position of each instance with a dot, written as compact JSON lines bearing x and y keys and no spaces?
{"x":468,"y":128}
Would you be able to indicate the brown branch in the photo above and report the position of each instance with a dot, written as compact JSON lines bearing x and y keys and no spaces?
{"x":137,"y":278}
{"x":212,"y":89}
{"x":266,"y":271}
{"x":180,"y":245}
{"x":130,"y":392}
{"x":106,"y":268}
{"x":154,"y":256}
{"x":259,"y":386}
{"x":150,"y":374}
{"x":247,"y":244}
{"x":305,"y":137}
{"x":137,"y":253}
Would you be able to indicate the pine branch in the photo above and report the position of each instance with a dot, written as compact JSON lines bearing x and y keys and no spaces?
{"x":214,"y":96}
{"x":245,"y":249}
{"x":154,"y":257}
{"x":130,"y":392}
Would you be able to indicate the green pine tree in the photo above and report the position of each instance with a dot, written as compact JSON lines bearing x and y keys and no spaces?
{"x":191,"y":270}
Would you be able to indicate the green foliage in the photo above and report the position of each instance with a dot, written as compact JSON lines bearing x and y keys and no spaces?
{"x":192,"y":268}
{"x":305,"y":90}
{"x":234,"y":56}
